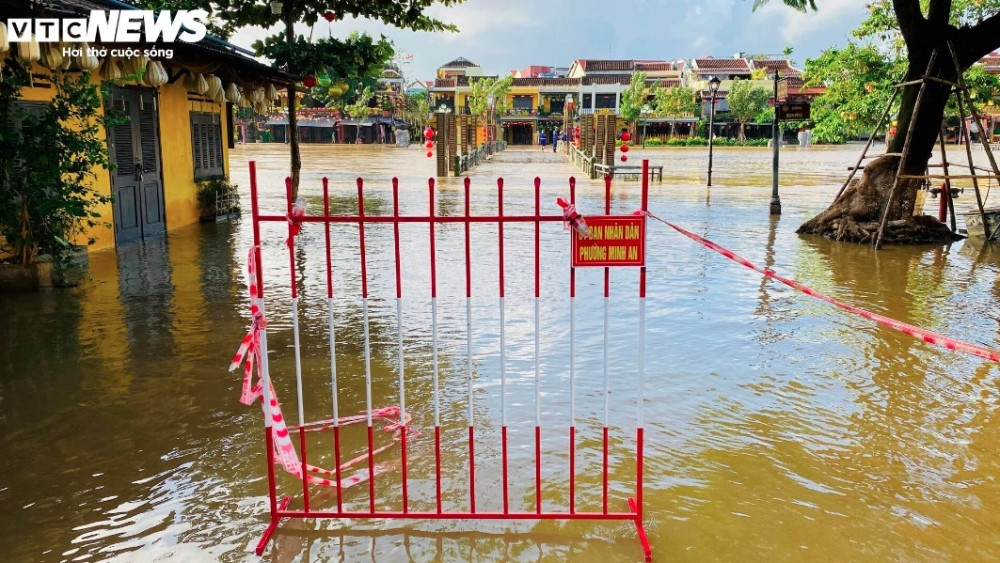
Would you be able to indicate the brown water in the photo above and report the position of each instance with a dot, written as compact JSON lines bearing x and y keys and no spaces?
{"x":777,"y":427}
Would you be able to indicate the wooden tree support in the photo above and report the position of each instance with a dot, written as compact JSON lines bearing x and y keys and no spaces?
{"x":962,"y":97}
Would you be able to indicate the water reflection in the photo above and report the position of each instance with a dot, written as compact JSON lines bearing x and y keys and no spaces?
{"x":779,"y":427}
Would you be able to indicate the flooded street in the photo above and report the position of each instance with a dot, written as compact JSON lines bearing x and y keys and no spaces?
{"x":778,"y":427}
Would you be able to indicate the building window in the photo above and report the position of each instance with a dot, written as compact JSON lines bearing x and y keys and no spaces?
{"x":605,"y":101}
{"x":523,"y":103}
{"x":586,"y":101}
{"x":206,"y":145}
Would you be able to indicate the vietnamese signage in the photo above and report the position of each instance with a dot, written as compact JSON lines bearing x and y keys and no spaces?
{"x":112,"y":26}
{"x":793,"y":111}
{"x":615,"y":240}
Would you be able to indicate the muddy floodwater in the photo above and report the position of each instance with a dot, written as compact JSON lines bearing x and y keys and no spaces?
{"x":777,"y":427}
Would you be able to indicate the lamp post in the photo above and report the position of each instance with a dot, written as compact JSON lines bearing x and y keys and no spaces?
{"x":568,"y":120}
{"x":776,"y":139}
{"x":713,"y":85}
{"x":491,"y":104}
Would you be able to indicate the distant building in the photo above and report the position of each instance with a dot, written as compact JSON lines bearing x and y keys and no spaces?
{"x":539,"y":93}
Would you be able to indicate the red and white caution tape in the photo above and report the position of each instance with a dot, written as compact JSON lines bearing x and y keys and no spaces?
{"x":248,"y":354}
{"x":917,"y":332}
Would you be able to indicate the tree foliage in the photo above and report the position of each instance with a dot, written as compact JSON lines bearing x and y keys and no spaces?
{"x":635,"y":97}
{"x":298,"y":56}
{"x":49,"y":162}
{"x":859,"y":78}
{"x":480,"y":90}
{"x":941,"y":39}
{"x":746,"y":101}
{"x":676,"y":102}
{"x":859,"y":81}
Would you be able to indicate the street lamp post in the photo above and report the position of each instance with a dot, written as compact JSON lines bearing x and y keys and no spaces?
{"x":776,"y":139}
{"x":568,"y":120}
{"x":713,"y":85}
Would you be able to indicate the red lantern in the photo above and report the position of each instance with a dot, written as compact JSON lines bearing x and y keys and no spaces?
{"x":626,"y":136}
{"x":430,"y":144}
{"x":428,"y":133}
{"x":624,"y":148}
{"x":430,"y":154}
{"x":624,"y":158}
{"x":309,"y":81}
{"x":329,"y":16}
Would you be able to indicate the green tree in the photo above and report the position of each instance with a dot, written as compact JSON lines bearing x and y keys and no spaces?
{"x":359,"y":109}
{"x":354,"y":57}
{"x":858,"y":81}
{"x":746,"y":101}
{"x":939,"y":38}
{"x":635,"y":99}
{"x":417,"y":109}
{"x":676,"y":102}
{"x":480,"y":90}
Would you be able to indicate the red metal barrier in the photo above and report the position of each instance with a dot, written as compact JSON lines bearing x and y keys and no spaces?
{"x":631,"y":509}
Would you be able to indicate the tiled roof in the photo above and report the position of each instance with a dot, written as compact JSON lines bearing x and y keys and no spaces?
{"x":460,"y":62}
{"x":991,"y":61}
{"x":654,"y":66}
{"x":592,"y":65}
{"x":737,"y":65}
{"x":780,"y":65}
{"x":546,"y":82}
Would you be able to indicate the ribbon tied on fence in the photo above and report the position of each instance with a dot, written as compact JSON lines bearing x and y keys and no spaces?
{"x":250,"y":352}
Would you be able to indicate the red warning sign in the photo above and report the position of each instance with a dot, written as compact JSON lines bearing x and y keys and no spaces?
{"x":615,"y":240}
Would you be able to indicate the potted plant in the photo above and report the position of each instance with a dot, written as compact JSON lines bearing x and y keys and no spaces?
{"x":49,"y":156}
{"x":218,"y":199}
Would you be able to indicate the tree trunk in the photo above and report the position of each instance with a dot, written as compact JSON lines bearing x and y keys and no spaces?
{"x":293,"y":128}
{"x":856,"y":215}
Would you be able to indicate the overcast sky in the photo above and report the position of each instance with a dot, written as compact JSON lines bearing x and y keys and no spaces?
{"x":501,"y":35}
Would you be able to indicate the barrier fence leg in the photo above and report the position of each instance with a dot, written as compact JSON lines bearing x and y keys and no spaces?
{"x":635,"y":504}
{"x":275,"y":507}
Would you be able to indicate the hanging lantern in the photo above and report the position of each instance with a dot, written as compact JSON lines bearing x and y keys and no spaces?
{"x":626,"y":136}
{"x":624,"y":158}
{"x":232,"y":93}
{"x":429,"y":144}
{"x":214,"y":85}
{"x":430,"y":154}
{"x":624,"y":148}
{"x":329,"y":16}
{"x":309,"y":81}
{"x":86,"y":61}
{"x":50,"y":55}
{"x":428,"y":133}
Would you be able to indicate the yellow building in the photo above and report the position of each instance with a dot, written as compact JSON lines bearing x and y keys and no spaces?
{"x":178,"y":132}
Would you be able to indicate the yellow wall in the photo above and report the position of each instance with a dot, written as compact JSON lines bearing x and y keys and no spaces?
{"x":177,"y":166}
{"x":179,"y":188}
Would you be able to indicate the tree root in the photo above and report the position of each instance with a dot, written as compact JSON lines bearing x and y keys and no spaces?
{"x":856,"y":215}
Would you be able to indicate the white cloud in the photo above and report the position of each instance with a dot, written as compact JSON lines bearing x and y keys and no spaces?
{"x":798,"y":26}
{"x":501,"y":35}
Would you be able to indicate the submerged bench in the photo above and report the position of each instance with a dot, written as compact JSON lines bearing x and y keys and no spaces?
{"x":655,"y":172}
